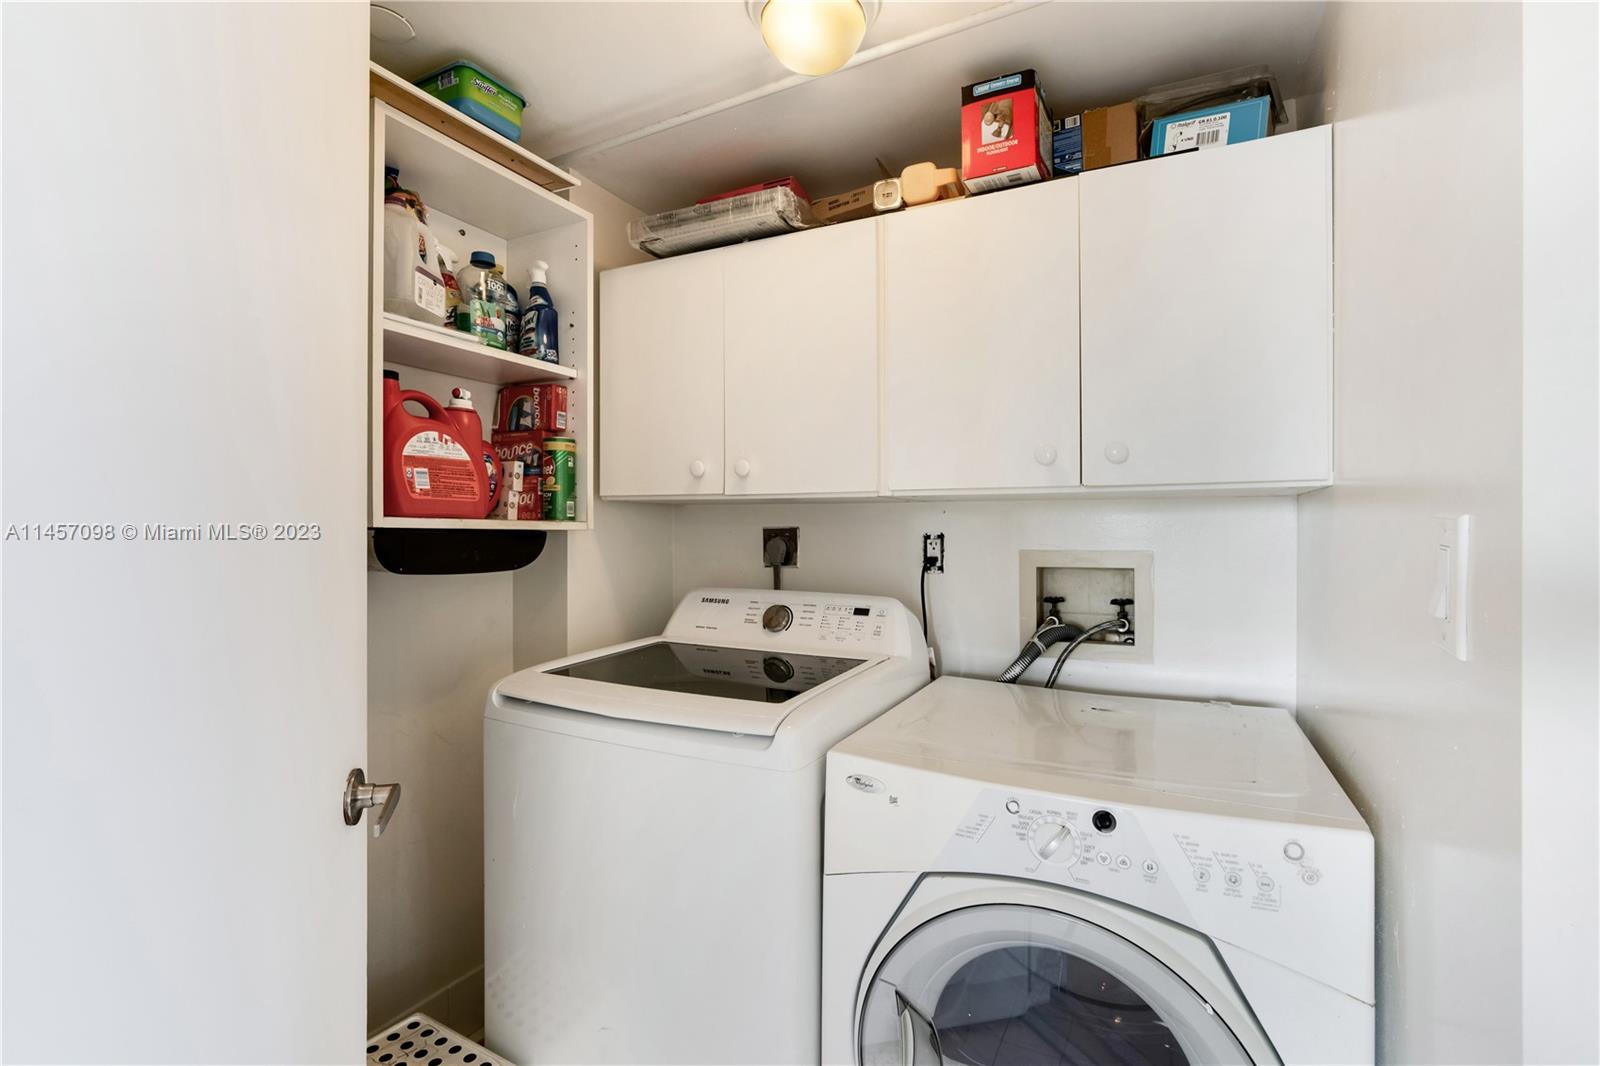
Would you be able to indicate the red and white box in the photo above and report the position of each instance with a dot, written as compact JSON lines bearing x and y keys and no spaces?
{"x":1005,"y":133}
{"x":533,"y":409}
{"x":510,"y":489}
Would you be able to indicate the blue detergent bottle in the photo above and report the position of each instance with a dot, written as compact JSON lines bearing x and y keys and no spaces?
{"x":538,"y":338}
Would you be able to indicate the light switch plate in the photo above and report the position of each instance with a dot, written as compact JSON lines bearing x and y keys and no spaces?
{"x":1451,"y":596}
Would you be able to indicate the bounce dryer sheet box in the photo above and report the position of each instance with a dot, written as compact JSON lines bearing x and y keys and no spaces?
{"x":527,"y":408}
{"x":1005,"y":133}
{"x":525,"y":416}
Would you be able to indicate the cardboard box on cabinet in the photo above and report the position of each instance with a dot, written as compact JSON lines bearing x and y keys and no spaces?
{"x":1110,"y":135}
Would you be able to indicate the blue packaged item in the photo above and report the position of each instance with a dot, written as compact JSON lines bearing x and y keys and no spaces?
{"x":1212,"y":127}
{"x":1066,"y":145}
{"x":539,"y":334}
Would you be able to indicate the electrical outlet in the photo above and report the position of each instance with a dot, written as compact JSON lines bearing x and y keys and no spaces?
{"x":789,"y":536}
{"x":933,"y":553}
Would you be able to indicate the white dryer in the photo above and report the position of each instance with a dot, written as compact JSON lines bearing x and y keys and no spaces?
{"x":653,"y":829}
{"x":1019,"y":875}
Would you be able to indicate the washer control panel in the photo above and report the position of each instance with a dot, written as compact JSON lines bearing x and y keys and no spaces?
{"x":802,"y":621}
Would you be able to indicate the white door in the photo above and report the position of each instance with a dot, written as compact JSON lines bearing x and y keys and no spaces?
{"x":1009,"y":985}
{"x":185,"y":338}
{"x":801,"y":337}
{"x":1207,"y":338}
{"x":981,"y":342}
{"x":661,"y":378}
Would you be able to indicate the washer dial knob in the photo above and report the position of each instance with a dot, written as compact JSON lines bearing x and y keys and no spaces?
{"x":777,"y":618}
{"x":1053,"y":841}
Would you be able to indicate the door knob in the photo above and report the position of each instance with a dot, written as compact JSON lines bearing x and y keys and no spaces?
{"x":1044,"y":455}
{"x":697,"y":468}
{"x":1116,"y":452}
{"x":358,"y":796}
{"x":742,"y":468}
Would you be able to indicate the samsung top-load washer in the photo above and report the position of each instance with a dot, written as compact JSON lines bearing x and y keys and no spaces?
{"x":1018,"y":875}
{"x":653,"y":829}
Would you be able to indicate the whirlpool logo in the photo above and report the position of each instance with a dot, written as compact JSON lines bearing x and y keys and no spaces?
{"x":864,"y":783}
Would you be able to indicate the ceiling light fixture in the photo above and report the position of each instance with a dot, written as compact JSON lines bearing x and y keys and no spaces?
{"x":391,"y":27}
{"x":812,"y":37}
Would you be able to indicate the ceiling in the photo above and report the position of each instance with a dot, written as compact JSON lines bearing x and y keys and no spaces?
{"x":597,"y":75}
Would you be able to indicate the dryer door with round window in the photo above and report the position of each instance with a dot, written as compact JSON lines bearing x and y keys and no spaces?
{"x":1012,"y":985}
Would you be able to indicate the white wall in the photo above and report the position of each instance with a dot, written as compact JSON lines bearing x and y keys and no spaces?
{"x":428,"y":682}
{"x":1223,"y":578}
{"x":619,"y":576}
{"x":1561,"y":391}
{"x":1427,"y":187}
{"x":435,"y":646}
{"x":184,"y":308}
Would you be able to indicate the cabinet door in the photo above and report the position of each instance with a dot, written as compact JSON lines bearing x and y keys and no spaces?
{"x":802,"y":340}
{"x":981,"y":342}
{"x":661,"y":378}
{"x":1206,"y":316}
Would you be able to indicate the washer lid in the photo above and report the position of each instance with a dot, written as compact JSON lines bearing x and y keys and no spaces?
{"x":698,"y":686}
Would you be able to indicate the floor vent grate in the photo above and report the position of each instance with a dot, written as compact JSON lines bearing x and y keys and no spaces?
{"x":421,"y":1041}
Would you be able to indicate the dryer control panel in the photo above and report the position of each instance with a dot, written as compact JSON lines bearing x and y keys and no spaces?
{"x":819,"y":622}
{"x":1232,"y":877}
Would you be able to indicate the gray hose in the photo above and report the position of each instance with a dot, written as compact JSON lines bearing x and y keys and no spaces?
{"x":1052,"y":632}
{"x":1119,"y":624}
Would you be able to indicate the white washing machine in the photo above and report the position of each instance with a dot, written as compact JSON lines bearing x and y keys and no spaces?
{"x":653,"y":829}
{"x":1019,"y":875}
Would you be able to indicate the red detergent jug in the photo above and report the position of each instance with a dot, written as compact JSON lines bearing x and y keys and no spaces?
{"x":429,"y":470}
{"x":470,"y":428}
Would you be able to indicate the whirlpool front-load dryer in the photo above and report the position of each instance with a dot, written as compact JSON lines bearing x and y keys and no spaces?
{"x":1024,"y":876}
{"x":653,"y":829}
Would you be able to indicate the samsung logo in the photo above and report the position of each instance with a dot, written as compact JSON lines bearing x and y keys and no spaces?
{"x":714,"y":599}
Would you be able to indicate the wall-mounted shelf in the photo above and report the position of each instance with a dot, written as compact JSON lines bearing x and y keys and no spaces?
{"x":450,"y":352}
{"x":500,"y":210}
{"x":401,"y":95}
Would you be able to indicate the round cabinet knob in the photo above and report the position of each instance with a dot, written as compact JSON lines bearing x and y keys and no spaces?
{"x":1116,"y":452}
{"x":1044,"y":455}
{"x":1053,"y":842}
{"x":777,"y":618}
{"x":697,"y":468}
{"x":742,"y":468}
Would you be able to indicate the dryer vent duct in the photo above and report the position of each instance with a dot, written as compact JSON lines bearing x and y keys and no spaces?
{"x":455,"y":551}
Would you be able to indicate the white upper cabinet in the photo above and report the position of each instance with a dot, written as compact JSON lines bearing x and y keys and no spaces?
{"x":1164,"y":323}
{"x":800,"y":332}
{"x":1207,"y":338}
{"x":981,"y":342}
{"x":661,"y":378}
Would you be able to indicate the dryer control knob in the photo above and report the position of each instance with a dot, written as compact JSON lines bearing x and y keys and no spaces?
{"x":777,"y":618}
{"x":1053,"y":842}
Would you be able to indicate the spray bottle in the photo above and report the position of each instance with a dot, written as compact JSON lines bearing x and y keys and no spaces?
{"x":539,"y":332}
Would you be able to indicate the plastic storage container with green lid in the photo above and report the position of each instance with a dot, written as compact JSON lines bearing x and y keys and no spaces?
{"x":477,"y":95}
